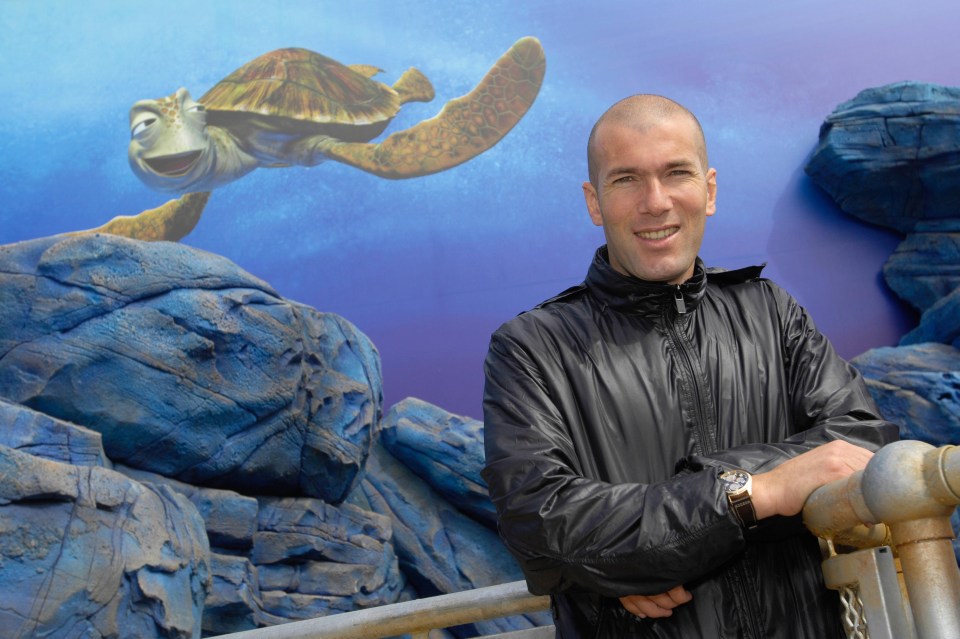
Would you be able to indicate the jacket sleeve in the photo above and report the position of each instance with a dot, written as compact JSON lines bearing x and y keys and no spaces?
{"x":827,"y":396}
{"x":571,"y":532}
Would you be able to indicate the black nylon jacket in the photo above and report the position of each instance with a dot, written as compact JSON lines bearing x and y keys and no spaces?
{"x":609,"y":413}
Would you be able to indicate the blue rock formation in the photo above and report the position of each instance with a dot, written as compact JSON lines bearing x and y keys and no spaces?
{"x":314,"y":559}
{"x":43,"y":436}
{"x":917,"y":387}
{"x":889,"y":155}
{"x":229,"y":517}
{"x":188,"y":366}
{"x":234,"y":602}
{"x":440,"y":549}
{"x":276,"y":560}
{"x":219,"y":404}
{"x":939,"y":323}
{"x":443,"y":449}
{"x":926,"y":265}
{"x":88,"y":552}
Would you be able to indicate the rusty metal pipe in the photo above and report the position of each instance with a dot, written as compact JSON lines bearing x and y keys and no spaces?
{"x":913,"y":488}
{"x":933,"y":588}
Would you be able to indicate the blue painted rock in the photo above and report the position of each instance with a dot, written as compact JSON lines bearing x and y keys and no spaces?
{"x":917,"y":387}
{"x":443,"y":449}
{"x":314,"y":559}
{"x":926,"y":266}
{"x":88,"y":552}
{"x":939,"y":323}
{"x":889,"y":155}
{"x":230,"y":518}
{"x":233,"y":603}
{"x":43,"y":436}
{"x":440,"y":549}
{"x":187,"y":365}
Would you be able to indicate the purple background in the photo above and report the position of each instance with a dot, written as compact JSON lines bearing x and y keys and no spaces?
{"x":429,"y":267}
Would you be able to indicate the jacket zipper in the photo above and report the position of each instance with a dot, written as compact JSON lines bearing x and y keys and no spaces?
{"x":705,"y":443}
{"x":703,"y":439}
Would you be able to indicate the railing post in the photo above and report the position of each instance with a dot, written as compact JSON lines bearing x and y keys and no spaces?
{"x":913,"y":488}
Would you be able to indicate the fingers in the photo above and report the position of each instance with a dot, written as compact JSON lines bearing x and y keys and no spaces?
{"x":784,"y":490}
{"x":656,"y":606}
{"x":840,"y":458}
{"x":678,"y":595}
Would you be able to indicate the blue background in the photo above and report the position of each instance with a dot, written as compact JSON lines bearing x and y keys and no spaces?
{"x":429,"y":267}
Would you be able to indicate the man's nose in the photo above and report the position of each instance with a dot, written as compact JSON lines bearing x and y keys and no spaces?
{"x":656,"y":199}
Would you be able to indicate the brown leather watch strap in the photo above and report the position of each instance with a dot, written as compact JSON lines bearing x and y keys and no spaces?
{"x":743,"y":509}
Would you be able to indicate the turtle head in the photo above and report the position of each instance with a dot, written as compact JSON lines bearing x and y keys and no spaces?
{"x":169,"y":146}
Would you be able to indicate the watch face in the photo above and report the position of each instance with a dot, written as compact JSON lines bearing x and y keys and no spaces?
{"x":734,"y":480}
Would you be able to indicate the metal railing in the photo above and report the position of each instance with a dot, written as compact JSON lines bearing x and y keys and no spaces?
{"x":417,"y":617}
{"x":896,"y":510}
{"x":900,"y":504}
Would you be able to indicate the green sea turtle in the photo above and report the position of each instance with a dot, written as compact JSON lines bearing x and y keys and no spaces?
{"x":297,"y":107}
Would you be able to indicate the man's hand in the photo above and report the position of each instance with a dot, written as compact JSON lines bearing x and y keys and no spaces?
{"x":785,"y":489}
{"x":655,"y":606}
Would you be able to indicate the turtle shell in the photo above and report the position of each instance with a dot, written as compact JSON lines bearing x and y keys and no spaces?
{"x":306,"y":86}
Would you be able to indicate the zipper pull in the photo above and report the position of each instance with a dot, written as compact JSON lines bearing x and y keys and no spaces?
{"x":678,"y":300}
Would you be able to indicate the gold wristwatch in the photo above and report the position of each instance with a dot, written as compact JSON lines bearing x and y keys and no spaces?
{"x":738,"y":484}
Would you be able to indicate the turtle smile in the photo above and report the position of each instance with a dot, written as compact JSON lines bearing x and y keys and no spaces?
{"x":173,"y":165}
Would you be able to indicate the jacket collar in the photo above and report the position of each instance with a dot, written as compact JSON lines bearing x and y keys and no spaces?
{"x":633,"y":295}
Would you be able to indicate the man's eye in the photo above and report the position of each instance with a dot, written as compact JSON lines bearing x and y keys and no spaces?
{"x":625,"y":178}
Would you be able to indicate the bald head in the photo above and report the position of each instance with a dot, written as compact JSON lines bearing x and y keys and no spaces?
{"x":640,"y":112}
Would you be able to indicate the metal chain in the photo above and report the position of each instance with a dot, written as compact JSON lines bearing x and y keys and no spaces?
{"x":853,"y":618}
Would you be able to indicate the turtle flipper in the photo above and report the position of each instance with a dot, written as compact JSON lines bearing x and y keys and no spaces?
{"x":366,"y":70}
{"x":171,"y":221}
{"x":413,"y":86}
{"x":465,"y":127}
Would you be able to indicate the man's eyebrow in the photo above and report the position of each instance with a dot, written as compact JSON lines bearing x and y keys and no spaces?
{"x":672,"y":164}
{"x":620,"y":170}
{"x":679,"y":164}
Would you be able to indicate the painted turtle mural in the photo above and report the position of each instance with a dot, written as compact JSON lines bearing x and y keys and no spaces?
{"x":294,"y":107}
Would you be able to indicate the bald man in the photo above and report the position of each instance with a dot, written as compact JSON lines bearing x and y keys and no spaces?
{"x":653,"y":433}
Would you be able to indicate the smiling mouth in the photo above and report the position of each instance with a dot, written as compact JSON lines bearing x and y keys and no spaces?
{"x":173,"y":165}
{"x":658,"y":235}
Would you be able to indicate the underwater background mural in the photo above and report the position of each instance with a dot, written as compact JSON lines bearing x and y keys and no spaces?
{"x":429,"y":267}
{"x":280,"y":399}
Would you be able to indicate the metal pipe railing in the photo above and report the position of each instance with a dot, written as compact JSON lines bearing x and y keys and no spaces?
{"x":416,"y":617}
{"x":903,"y":499}
{"x":905,"y":495}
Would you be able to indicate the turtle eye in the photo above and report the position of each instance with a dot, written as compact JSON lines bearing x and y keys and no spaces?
{"x":140,"y":127}
{"x":199,"y":108}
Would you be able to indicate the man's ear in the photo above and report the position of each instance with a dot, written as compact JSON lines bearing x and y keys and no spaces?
{"x":593,"y":203}
{"x":711,"y":191}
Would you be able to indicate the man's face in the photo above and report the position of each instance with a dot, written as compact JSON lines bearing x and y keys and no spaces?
{"x":652,"y":198}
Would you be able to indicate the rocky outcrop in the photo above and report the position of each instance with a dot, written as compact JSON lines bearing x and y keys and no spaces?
{"x":43,"y":436}
{"x":440,"y":549}
{"x":229,"y":518}
{"x":889,"y":155}
{"x":188,"y":366}
{"x":917,"y":387}
{"x":939,"y":323}
{"x":86,"y":551}
{"x":247,"y":420}
{"x":925,"y":268}
{"x":315,"y":559}
{"x":443,"y":449}
{"x":276,"y":559}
